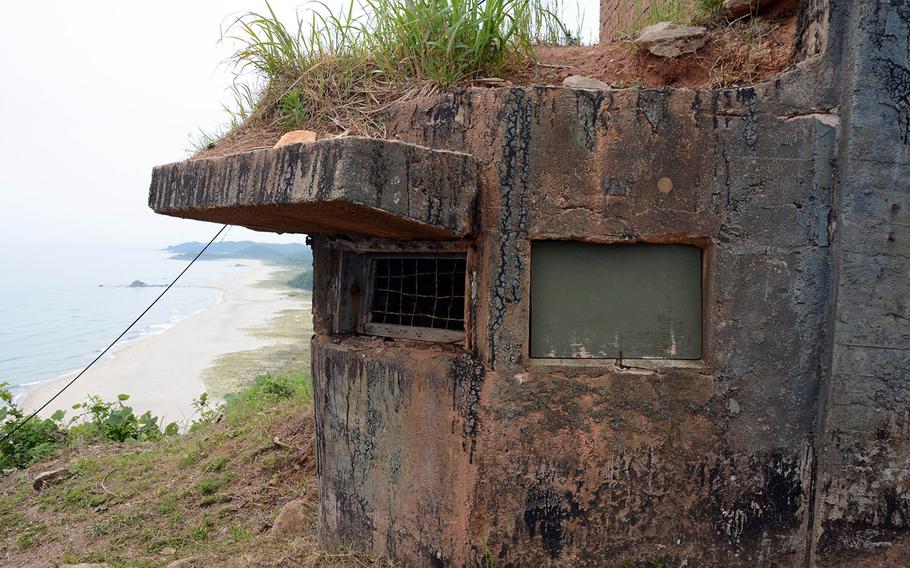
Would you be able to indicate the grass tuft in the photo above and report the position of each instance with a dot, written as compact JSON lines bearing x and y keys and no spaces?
{"x":338,"y":71}
{"x":684,"y":12}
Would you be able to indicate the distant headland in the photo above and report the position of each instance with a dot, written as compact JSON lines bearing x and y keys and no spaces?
{"x":288,"y":254}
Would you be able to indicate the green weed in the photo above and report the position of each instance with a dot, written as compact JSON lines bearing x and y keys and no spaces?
{"x":115,"y":523}
{"x":336,"y":71}
{"x":486,"y":559}
{"x":31,"y":442}
{"x":212,"y":484}
{"x":30,"y":534}
{"x":683,"y":12}
{"x":201,"y":531}
{"x":239,"y":534}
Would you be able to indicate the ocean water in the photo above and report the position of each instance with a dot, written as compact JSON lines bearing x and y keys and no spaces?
{"x":59,"y":307}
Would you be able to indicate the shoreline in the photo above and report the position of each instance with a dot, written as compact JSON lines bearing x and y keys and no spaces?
{"x":163,"y":372}
{"x":115,"y":350}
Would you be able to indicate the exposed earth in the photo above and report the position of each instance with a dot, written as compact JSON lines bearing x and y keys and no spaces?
{"x":743,"y":52}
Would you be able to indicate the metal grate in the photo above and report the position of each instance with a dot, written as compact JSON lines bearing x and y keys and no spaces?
{"x":419,"y":292}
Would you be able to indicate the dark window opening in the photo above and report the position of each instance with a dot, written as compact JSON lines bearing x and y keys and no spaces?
{"x":426,"y":292}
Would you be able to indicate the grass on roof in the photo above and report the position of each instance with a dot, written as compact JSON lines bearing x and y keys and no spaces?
{"x":337,"y":71}
{"x":685,"y":12}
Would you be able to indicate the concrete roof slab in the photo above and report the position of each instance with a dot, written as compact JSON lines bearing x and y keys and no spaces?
{"x":350,"y":186}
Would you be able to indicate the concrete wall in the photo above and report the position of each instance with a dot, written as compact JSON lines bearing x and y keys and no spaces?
{"x":864,"y":467}
{"x":706,"y":461}
{"x":785,"y":446}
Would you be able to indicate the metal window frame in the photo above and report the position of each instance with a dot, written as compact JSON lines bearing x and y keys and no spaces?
{"x":371,"y":248}
{"x":418,"y":333}
{"x":610,"y":364}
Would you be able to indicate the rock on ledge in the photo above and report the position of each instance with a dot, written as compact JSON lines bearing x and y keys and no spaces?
{"x":351,"y":186}
{"x":666,"y":39}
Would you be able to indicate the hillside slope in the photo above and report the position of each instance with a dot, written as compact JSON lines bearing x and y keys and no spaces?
{"x":206,"y":498}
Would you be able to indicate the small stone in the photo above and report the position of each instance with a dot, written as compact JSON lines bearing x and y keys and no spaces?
{"x":167,"y":551}
{"x":293,"y":519}
{"x":582,"y":82}
{"x":296,"y":137}
{"x":667,"y":39}
{"x":52,"y":477}
{"x":733,"y":407}
{"x":492,"y":82}
{"x":183,"y":562}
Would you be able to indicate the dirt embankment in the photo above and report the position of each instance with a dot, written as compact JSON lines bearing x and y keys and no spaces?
{"x":743,"y":52}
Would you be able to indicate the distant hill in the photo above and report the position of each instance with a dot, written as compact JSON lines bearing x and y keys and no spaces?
{"x":293,"y":254}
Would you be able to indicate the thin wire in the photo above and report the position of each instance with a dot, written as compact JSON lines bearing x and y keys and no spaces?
{"x":114,"y":342}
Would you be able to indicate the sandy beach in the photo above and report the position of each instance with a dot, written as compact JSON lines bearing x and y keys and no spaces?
{"x":164,"y":373}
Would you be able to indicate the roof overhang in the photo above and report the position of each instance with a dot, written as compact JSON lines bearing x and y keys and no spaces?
{"x":348,"y":186}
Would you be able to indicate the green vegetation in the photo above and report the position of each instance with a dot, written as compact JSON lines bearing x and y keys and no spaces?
{"x":115,"y":421}
{"x":486,"y":559}
{"x":335,"y":71}
{"x":677,"y":11}
{"x":98,"y":420}
{"x":34,"y":441}
{"x":211,"y":493}
{"x":304,"y":280}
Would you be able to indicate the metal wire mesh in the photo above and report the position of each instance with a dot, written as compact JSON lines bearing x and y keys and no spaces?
{"x":419,"y":292}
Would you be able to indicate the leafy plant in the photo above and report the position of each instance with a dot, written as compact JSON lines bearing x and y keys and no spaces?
{"x":33,"y":440}
{"x":117,"y":421}
{"x":292,"y":110}
{"x":206,"y":412}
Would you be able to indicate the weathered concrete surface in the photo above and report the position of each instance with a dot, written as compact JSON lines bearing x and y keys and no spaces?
{"x":394,"y":436}
{"x":863,"y":485}
{"x":699,"y":463}
{"x":353,"y":186}
{"x":787,"y":444}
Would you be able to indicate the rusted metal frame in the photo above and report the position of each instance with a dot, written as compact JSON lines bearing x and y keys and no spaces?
{"x":373,"y":246}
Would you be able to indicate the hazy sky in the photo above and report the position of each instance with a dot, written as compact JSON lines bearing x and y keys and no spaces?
{"x":93,"y":94}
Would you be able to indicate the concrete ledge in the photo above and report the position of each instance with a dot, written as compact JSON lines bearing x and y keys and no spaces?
{"x":352,"y":186}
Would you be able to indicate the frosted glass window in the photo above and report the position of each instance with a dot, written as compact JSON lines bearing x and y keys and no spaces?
{"x":615,"y":301}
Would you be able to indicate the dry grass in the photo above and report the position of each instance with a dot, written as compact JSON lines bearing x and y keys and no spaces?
{"x":685,"y":12}
{"x":210,"y":495}
{"x":748,"y":48}
{"x":338,"y":74}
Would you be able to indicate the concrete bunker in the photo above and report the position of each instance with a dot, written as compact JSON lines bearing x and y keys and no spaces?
{"x":743,"y":405}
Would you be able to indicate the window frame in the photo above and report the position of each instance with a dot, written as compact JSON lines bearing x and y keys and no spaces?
{"x":611,"y":364}
{"x":372,"y":249}
{"x":414,"y":332}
